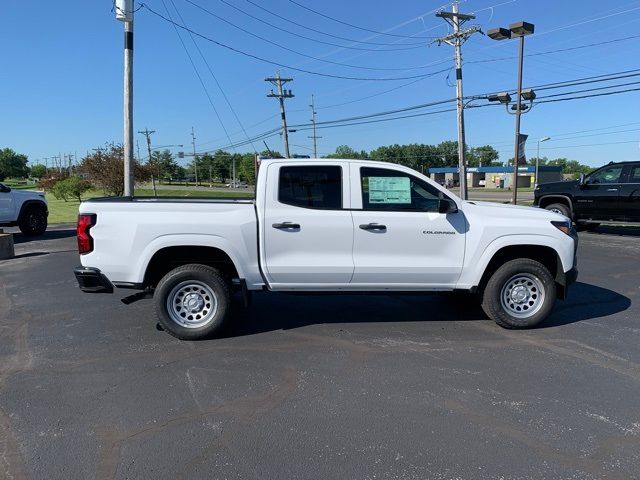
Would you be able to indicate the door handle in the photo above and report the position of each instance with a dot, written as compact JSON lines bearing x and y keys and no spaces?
{"x":612,"y":189}
{"x":286,"y":226}
{"x":373,"y":226}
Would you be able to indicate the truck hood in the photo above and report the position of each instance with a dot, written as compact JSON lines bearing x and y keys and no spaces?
{"x":557,"y":187}
{"x":28,"y":195}
{"x":506,"y":210}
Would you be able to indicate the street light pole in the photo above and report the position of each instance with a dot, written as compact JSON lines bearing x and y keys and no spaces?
{"x":540,"y":140}
{"x":518,"y":114}
{"x":124,"y":13}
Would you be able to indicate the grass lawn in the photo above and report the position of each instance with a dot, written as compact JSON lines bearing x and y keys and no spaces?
{"x":67,"y":212}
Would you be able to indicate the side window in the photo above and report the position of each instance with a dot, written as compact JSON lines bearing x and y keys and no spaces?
{"x":311,"y":187}
{"x":384,"y":189}
{"x":606,"y":175}
{"x":634,"y":175}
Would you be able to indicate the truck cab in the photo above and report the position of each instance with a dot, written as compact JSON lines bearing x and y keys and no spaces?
{"x":610,"y":194}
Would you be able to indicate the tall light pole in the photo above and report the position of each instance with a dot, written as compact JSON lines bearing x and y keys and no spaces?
{"x":540,"y":140}
{"x":124,"y":13}
{"x":516,"y":30}
{"x":195,"y":158}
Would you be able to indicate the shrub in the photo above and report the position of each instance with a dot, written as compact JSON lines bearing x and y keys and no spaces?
{"x":70,"y":187}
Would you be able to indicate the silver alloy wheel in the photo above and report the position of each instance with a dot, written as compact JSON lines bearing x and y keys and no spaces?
{"x":192,"y":304}
{"x":556,"y":210}
{"x":522,"y":296}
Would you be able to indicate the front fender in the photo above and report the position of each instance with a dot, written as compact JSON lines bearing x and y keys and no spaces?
{"x":478,"y":261}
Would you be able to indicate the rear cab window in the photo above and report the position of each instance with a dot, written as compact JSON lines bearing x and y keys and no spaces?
{"x":313,"y":186}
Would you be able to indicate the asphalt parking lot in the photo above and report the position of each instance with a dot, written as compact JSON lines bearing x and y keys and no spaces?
{"x":345,"y":387}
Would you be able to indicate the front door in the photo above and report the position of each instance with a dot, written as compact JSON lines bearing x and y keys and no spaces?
{"x":630,"y":195}
{"x":6,"y":204}
{"x":599,"y":197}
{"x":400,"y":239}
{"x":307,"y":232}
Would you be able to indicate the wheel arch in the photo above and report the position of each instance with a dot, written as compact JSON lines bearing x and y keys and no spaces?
{"x":549,"y":199}
{"x":168,"y":258}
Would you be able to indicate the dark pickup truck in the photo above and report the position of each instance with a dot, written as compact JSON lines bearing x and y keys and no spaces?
{"x":610,"y":194}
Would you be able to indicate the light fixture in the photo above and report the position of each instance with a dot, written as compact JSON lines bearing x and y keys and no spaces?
{"x":503,"y":97}
{"x":528,"y":94}
{"x":520,"y":29}
{"x":499,"y":33}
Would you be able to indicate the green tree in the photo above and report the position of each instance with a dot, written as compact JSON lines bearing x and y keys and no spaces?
{"x":70,"y":187}
{"x":247,"y":169}
{"x":38,"y":171}
{"x":163,"y":166}
{"x":485,"y":155}
{"x":346,"y":152}
{"x":12,"y":164}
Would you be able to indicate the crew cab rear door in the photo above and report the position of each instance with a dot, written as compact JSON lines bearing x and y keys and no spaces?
{"x":306,"y":228}
{"x":400,"y":239}
{"x":630,"y":194}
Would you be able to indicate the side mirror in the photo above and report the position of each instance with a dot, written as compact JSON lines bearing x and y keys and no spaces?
{"x":4,"y":189}
{"x":447,"y":206}
{"x":582,"y":180}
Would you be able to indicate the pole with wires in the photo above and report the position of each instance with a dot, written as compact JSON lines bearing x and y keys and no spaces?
{"x":147,"y":133}
{"x":278,"y":81}
{"x":313,"y":121}
{"x":195,"y":158}
{"x":456,"y":39}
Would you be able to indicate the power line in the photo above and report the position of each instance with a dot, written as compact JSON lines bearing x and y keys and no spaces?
{"x":271,"y":42}
{"x":345,"y":23}
{"x":590,"y":96}
{"x":204,"y":87}
{"x":408,"y":46}
{"x":271,"y":62}
{"x":214,"y":77}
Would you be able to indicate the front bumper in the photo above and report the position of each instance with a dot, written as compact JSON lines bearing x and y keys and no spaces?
{"x":91,"y":280}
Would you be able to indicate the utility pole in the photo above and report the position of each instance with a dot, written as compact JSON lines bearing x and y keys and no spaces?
{"x":313,"y":121}
{"x":278,"y":81}
{"x":195,"y":159}
{"x":456,"y":39}
{"x":124,"y":13}
{"x":147,"y":133}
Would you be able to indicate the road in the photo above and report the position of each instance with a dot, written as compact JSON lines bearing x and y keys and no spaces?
{"x":339,"y":387}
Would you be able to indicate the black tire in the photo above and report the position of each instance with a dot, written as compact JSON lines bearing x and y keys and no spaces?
{"x":209,"y":293}
{"x":33,"y":221}
{"x":511,"y":280}
{"x":559,"y":207}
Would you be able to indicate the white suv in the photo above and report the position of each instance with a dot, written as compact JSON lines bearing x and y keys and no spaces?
{"x":28,"y":210}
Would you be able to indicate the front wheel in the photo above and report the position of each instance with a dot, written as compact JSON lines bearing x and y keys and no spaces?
{"x":192,"y":302}
{"x":560,"y":208}
{"x":520,"y":294}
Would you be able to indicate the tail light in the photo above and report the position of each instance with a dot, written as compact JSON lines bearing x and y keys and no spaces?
{"x":85,"y":241}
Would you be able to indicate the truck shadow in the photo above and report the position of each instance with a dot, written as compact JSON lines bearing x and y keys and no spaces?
{"x":19,"y":237}
{"x":270,"y":312}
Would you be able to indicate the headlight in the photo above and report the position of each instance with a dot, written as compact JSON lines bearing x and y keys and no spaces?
{"x":563,"y":226}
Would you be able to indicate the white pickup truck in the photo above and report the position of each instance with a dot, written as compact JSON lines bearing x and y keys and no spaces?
{"x":325,"y":225}
{"x":24,"y":208}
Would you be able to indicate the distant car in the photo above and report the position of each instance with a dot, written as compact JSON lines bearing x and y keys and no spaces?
{"x":609,"y":194}
{"x":28,"y":210}
{"x":237,"y":185}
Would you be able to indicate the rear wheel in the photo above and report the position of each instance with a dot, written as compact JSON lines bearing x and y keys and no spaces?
{"x":520,"y":294}
{"x":192,"y":302}
{"x":33,"y":221}
{"x":560,"y":208}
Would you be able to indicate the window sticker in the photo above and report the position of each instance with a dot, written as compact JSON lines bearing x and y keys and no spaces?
{"x":390,"y":190}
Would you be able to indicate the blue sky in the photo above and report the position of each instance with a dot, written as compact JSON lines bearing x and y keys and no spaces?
{"x":62,"y":75}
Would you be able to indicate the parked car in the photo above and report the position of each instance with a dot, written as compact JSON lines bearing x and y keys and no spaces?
{"x":610,"y":194}
{"x":26,"y":209}
{"x":237,"y":184}
{"x":325,"y":226}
